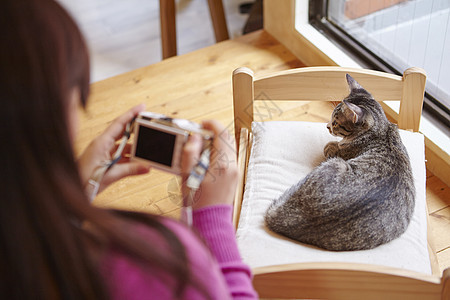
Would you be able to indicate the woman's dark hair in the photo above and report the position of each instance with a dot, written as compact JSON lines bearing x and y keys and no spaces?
{"x":46,"y":251}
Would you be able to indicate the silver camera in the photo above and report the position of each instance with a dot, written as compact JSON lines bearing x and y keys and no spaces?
{"x":159,"y":140}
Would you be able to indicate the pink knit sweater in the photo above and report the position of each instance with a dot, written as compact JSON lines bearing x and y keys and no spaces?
{"x":219,"y":268}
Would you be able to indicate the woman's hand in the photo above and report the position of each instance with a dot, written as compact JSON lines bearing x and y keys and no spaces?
{"x":101,"y":149}
{"x":219,"y":185}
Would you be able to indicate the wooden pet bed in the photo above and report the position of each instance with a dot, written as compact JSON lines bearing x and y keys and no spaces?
{"x":326,"y":279}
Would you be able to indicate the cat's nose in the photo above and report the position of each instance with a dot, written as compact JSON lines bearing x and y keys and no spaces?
{"x":329,"y":127}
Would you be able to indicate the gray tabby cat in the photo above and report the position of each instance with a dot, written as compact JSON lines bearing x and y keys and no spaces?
{"x":362,"y":195}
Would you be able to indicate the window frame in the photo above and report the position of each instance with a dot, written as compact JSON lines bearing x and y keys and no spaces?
{"x":362,"y":55}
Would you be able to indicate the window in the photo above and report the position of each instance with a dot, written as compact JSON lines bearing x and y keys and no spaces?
{"x":392,"y":35}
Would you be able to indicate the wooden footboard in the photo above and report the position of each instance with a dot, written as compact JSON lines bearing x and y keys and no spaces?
{"x":347,"y":281}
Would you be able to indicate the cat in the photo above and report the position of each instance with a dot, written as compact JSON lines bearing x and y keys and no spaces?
{"x":362,"y":195}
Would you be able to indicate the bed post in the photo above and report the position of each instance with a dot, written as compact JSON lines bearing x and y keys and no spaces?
{"x":412,"y":99}
{"x":242,"y":101}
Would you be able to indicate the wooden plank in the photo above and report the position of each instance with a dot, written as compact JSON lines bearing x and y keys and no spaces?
{"x":440,"y":225}
{"x":327,"y":84}
{"x":438,"y":194}
{"x":438,"y":203}
{"x":443,"y":257}
{"x":308,"y":111}
{"x":344,"y":281}
{"x":438,"y":161}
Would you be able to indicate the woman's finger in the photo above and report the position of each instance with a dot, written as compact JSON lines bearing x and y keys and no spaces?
{"x":115,"y":130}
{"x":191,"y":154}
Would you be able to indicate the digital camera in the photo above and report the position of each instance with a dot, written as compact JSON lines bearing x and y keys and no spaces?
{"x":159,"y":140}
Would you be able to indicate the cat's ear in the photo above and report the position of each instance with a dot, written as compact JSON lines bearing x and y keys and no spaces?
{"x":353,"y":112}
{"x":353,"y":84}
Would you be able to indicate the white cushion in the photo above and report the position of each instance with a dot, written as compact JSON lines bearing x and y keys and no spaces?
{"x":284,"y":152}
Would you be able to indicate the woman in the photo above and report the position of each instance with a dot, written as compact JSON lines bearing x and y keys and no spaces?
{"x":54,"y":244}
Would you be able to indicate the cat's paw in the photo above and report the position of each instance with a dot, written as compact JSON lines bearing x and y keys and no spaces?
{"x":331,"y":149}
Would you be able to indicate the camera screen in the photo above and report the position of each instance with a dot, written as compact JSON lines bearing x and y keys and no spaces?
{"x":155,"y":145}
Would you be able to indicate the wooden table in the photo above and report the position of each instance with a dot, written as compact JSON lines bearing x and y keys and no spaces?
{"x":197,"y":86}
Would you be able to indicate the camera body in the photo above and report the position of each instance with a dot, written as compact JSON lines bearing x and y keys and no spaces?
{"x":159,"y":140}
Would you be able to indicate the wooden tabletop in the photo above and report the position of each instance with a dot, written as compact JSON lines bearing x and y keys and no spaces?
{"x":194,"y":86}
